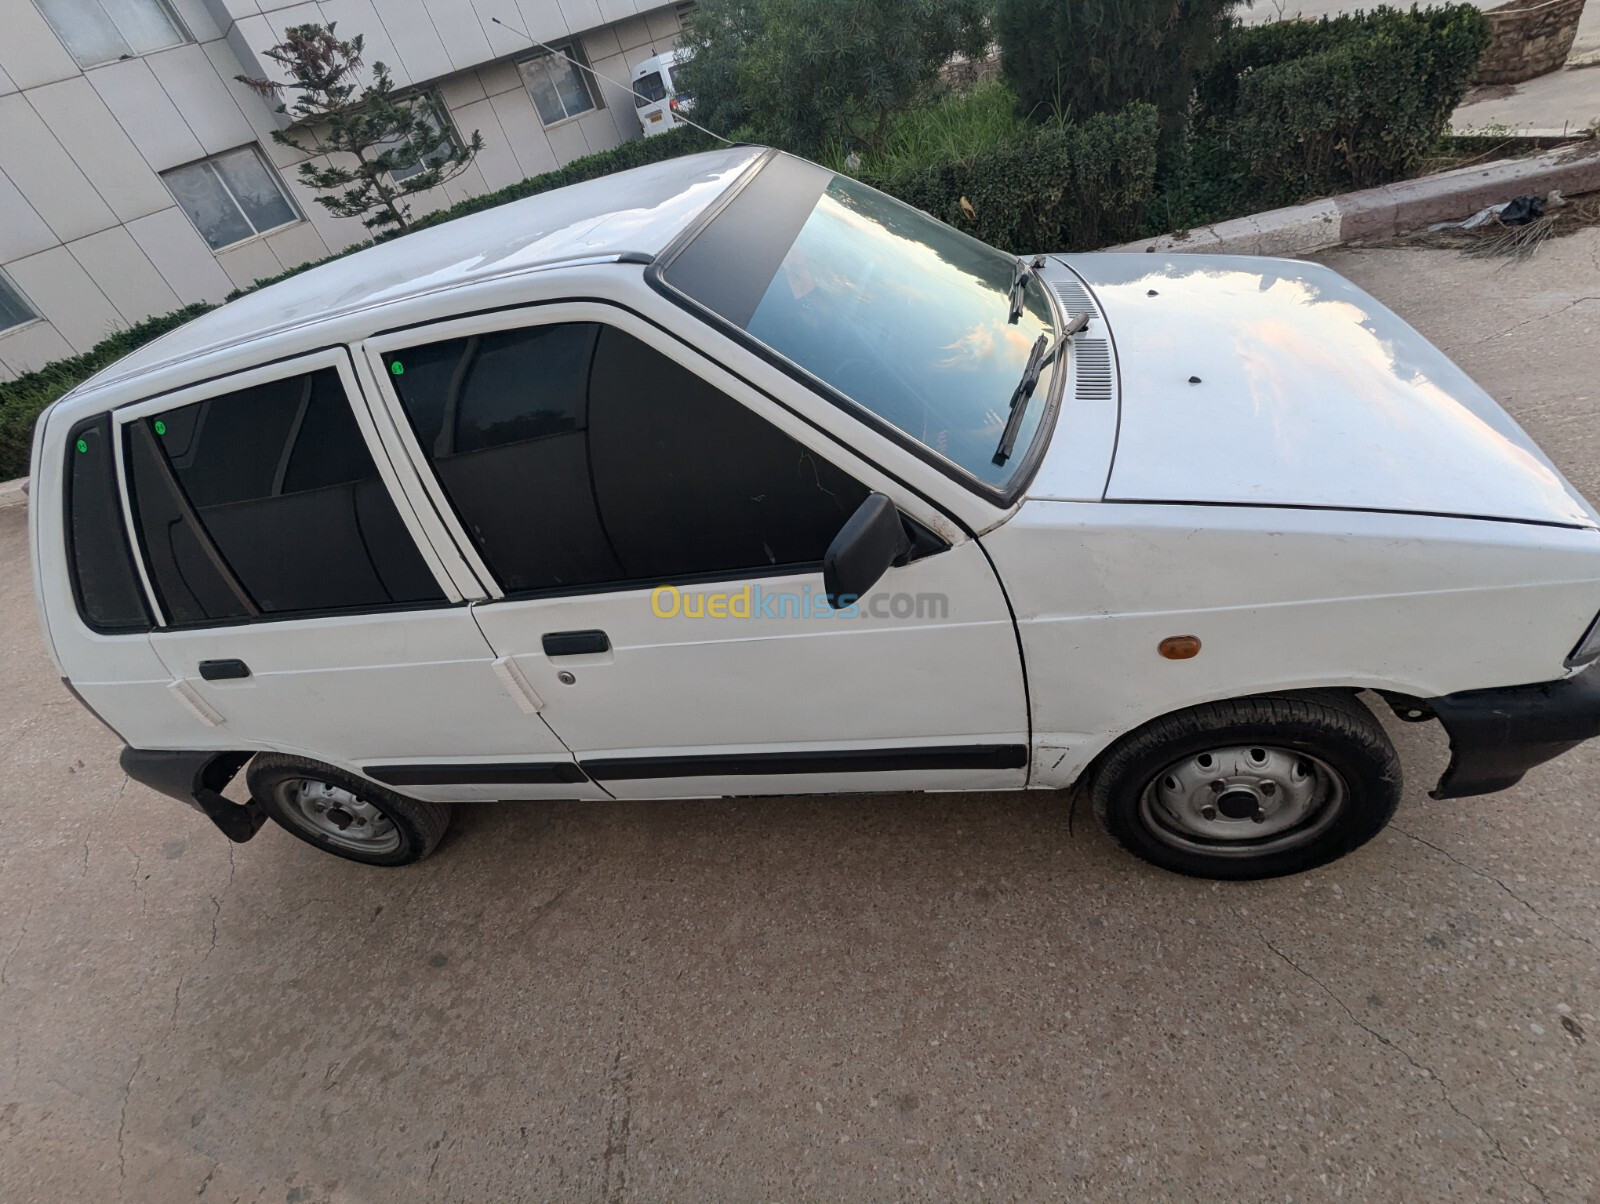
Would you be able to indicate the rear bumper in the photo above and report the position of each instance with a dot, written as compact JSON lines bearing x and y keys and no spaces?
{"x":1496,"y":736}
{"x":198,"y":779}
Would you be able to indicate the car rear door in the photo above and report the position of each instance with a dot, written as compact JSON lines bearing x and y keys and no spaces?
{"x":653,"y":530}
{"x":301,"y":608}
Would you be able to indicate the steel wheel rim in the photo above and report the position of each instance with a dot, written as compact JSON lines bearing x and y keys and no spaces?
{"x":337,"y":816}
{"x":1245,"y":800}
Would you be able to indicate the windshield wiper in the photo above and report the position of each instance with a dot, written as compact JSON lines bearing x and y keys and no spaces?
{"x":1020,"y":273}
{"x":1041,"y":357}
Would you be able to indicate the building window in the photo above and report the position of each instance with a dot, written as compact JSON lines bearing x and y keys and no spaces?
{"x":102,"y":31}
{"x":231,"y":197}
{"x":433,"y":112}
{"x":14,"y":308}
{"x":559,"y":87}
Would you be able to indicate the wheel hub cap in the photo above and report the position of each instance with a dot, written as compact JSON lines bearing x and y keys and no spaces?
{"x":340,"y":817}
{"x":1240,"y":801}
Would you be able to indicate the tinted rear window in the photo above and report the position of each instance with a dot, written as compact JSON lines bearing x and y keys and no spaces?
{"x":648,"y":89}
{"x":104,"y":579}
{"x":266,"y":501}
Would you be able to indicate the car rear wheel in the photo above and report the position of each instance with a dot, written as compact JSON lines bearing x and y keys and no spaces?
{"x":343,"y":814}
{"x":1250,"y":788}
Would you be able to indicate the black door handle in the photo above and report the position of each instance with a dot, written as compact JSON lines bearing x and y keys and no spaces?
{"x":223,"y":670}
{"x":575,"y":643}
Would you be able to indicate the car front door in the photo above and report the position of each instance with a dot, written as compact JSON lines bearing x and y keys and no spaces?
{"x":301,"y":609}
{"x":655,"y":545}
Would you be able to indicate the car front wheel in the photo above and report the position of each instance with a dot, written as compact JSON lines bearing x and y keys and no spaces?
{"x":1251,"y":787}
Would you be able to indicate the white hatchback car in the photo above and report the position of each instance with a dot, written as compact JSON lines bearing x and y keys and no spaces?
{"x":731,"y":476}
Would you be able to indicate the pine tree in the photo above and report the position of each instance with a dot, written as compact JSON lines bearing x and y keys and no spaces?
{"x":333,"y":114}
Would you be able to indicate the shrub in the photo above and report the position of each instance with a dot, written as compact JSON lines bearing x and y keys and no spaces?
{"x":1094,"y":56}
{"x":1295,"y":109}
{"x":22,"y":400}
{"x":1061,"y":186}
{"x":957,"y":125}
{"x":803,"y":73}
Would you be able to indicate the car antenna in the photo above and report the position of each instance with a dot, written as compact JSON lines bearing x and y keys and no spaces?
{"x":585,"y":67}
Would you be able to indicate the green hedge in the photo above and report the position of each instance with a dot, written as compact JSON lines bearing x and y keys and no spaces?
{"x":22,"y":400}
{"x":1058,"y":187}
{"x":1296,"y":109}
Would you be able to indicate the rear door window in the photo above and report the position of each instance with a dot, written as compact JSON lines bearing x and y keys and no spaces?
{"x":266,"y":501}
{"x":577,"y":456}
{"x":648,"y":89}
{"x":105,"y":582}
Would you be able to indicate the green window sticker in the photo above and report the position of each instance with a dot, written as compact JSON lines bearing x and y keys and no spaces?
{"x":397,"y":368}
{"x":161,"y":427}
{"x":83,"y":445}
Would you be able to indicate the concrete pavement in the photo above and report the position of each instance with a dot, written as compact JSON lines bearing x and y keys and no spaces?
{"x":885,"y":998}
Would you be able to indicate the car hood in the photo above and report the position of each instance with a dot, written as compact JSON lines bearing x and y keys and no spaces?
{"x":1250,"y":381}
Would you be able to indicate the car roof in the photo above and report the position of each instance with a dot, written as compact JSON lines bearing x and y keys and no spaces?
{"x":667,"y":58}
{"x":630,"y":215}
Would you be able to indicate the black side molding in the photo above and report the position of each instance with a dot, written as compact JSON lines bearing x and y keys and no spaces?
{"x":1496,"y":736}
{"x":198,"y":778}
{"x":512,"y":773}
{"x":853,"y":760}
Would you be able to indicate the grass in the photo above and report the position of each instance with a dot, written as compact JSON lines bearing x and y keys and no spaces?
{"x":952,"y":128}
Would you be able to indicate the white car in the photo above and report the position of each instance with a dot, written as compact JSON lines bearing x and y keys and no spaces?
{"x":656,"y":95}
{"x":731,"y":476}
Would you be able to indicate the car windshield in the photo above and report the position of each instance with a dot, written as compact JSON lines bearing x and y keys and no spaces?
{"x":903,"y":315}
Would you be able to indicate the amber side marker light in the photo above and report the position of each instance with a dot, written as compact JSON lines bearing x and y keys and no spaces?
{"x":1179,"y":647}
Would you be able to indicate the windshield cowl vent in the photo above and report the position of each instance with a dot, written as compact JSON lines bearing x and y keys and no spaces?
{"x":1091,"y":369}
{"x":1073,"y":297}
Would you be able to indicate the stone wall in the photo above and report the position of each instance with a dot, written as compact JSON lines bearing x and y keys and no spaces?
{"x":1529,"y":39}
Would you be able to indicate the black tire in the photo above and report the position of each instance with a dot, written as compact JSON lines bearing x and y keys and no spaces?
{"x":286,"y":788}
{"x":1133,"y":783}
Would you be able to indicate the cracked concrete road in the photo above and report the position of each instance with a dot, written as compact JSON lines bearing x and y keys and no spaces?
{"x":878,"y":998}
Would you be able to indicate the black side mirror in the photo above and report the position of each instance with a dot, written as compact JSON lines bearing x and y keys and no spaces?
{"x":872,"y":540}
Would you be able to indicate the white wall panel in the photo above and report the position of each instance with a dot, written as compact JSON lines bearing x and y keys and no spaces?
{"x":460,"y":30}
{"x":178,"y":252}
{"x":249,"y":262}
{"x":30,"y":347}
{"x":115,"y":262}
{"x":101,"y":148}
{"x":131,"y":91}
{"x":65,"y":294}
{"x":207,"y":105}
{"x":30,"y":52}
{"x":44,"y":173}
{"x":22,"y":230}
{"x":529,"y":141}
{"x":495,"y":161}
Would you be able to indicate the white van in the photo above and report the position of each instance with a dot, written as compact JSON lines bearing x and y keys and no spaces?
{"x":656,"y":94}
{"x":731,"y":476}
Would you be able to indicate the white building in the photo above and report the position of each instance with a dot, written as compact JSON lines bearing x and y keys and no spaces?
{"x":137,"y":175}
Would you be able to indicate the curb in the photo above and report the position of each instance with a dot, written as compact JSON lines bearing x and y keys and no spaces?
{"x":1378,"y":213}
{"x":14,"y":493}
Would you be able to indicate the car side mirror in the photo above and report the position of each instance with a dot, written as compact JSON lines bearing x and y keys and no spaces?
{"x":872,"y":540}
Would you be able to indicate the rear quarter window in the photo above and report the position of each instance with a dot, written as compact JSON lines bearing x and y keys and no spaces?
{"x":105,"y":583}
